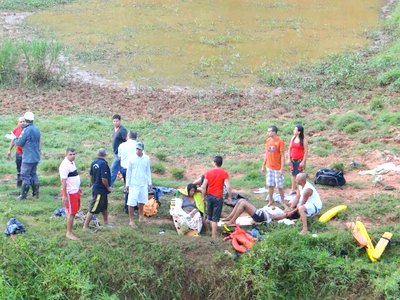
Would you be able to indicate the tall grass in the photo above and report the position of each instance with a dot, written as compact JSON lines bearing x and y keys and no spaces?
{"x":30,"y":5}
{"x":9,"y":54}
{"x":38,"y":62}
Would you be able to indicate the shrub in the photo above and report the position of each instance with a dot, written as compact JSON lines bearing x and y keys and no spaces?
{"x":43,"y":61}
{"x":161,"y":156}
{"x":376,"y":104}
{"x":350,"y":122}
{"x":389,"y":76}
{"x":158,"y":168}
{"x":8,"y":61}
{"x":392,"y":118}
{"x":337,"y":166}
{"x":178,"y":173}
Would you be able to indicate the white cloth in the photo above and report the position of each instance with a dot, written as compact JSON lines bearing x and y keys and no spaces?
{"x":314,"y":203}
{"x":138,"y":172}
{"x":185,"y":220}
{"x":125,"y":150}
{"x":66,"y":169}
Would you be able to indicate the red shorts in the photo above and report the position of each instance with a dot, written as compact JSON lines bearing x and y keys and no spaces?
{"x":73,"y":204}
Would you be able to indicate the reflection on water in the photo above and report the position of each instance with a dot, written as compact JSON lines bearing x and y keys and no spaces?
{"x":203,"y":43}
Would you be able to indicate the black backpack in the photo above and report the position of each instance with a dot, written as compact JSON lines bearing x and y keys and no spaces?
{"x":330,"y":177}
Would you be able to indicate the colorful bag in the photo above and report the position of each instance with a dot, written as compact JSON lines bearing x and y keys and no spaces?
{"x":151,"y":207}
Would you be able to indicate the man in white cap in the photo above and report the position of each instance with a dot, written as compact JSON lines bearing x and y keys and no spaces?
{"x":138,"y":182}
{"x":30,"y":142}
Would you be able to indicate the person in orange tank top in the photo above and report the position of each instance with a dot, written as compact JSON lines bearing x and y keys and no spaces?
{"x":298,"y":149}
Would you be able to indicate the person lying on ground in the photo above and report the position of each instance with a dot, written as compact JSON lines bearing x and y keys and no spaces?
{"x":187,"y":210}
{"x":258,"y":215}
{"x":306,"y":203}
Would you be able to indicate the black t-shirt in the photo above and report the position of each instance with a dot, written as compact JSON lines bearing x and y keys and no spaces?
{"x":99,"y":169}
{"x":119,"y":137}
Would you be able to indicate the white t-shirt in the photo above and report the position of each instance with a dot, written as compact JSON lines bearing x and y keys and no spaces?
{"x":68,"y":171}
{"x":125,"y":150}
{"x":314,"y":199}
{"x":138,"y":172}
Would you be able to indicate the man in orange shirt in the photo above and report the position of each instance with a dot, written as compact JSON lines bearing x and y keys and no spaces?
{"x":273,"y":162}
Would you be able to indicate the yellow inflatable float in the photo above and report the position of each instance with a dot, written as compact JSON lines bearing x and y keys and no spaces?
{"x":331,"y":213}
{"x":370,"y":249}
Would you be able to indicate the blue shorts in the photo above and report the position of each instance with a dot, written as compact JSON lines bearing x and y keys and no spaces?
{"x":295,"y":166}
{"x":214,"y":208}
{"x":258,"y":216}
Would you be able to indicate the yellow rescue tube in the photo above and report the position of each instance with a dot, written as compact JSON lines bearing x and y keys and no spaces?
{"x":331,"y":213}
{"x":381,"y":246}
{"x":370,"y":247}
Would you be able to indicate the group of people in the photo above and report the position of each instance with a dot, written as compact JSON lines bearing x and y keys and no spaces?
{"x":133,"y":164}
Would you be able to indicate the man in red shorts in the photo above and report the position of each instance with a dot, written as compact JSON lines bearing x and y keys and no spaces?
{"x":18,"y":149}
{"x":70,"y":190}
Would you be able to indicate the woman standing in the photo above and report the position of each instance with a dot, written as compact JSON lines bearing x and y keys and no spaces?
{"x":297,"y":154}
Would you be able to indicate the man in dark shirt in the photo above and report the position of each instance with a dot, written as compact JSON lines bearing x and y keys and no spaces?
{"x":100,"y":178}
{"x":119,"y":136}
{"x":30,"y":142}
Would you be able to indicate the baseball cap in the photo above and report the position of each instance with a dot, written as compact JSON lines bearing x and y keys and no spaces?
{"x":29,"y":116}
{"x":139,"y":145}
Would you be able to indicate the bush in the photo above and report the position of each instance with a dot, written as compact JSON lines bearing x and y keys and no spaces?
{"x":158,"y":168}
{"x":389,"y":77}
{"x":392,"y":118}
{"x":43,"y":61}
{"x":178,"y":173}
{"x":9,"y":55}
{"x":337,"y":166}
{"x":376,"y":104}
{"x":350,"y":122}
{"x":161,"y":156}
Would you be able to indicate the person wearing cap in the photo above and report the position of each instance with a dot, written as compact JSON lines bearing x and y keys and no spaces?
{"x":138,"y":182}
{"x":18,"y":149}
{"x":119,"y":136}
{"x":100,"y":177}
{"x":125,"y":150}
{"x":70,"y":189}
{"x":30,"y":142}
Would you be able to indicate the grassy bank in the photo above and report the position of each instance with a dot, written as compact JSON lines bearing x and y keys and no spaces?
{"x":350,"y":108}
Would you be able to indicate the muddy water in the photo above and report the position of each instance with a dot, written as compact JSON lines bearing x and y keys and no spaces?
{"x":206,"y":43}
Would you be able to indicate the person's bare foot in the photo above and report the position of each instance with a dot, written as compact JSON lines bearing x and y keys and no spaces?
{"x":230,"y":223}
{"x":72,"y":237}
{"x":143,"y":220}
{"x":132,"y":224}
{"x":350,"y":225}
{"x":303,"y":232}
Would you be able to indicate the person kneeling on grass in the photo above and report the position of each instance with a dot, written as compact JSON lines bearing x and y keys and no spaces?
{"x":306,"y":203}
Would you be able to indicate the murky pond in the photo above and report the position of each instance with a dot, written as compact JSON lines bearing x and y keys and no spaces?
{"x":206,"y":42}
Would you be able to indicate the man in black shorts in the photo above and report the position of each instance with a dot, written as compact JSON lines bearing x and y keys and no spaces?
{"x":100,"y":176}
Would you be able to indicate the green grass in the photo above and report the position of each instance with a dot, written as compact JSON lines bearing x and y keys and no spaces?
{"x":30,"y":5}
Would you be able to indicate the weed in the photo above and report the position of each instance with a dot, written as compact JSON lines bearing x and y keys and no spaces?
{"x":350,"y":122}
{"x":30,"y":5}
{"x":158,"y":168}
{"x":338,"y":166}
{"x":376,"y":104}
{"x":178,"y":173}
{"x":391,"y":118}
{"x":43,"y":60}
{"x":9,"y":55}
{"x":161,"y":156}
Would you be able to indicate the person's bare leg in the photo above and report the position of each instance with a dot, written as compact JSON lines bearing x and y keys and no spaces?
{"x":141,"y":214}
{"x":244,"y":207}
{"x":130,"y":211}
{"x":70,"y":224}
{"x":303,"y":217}
{"x":214,"y":230}
{"x":229,"y":217}
{"x":89,"y":217}
{"x":294,"y":185}
{"x":282,"y":194}
{"x":105,"y":217}
{"x":270,"y":196}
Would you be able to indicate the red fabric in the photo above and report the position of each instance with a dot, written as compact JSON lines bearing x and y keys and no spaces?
{"x":17,"y":132}
{"x":296,"y":151}
{"x":73,"y":203}
{"x":216,"y":179}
